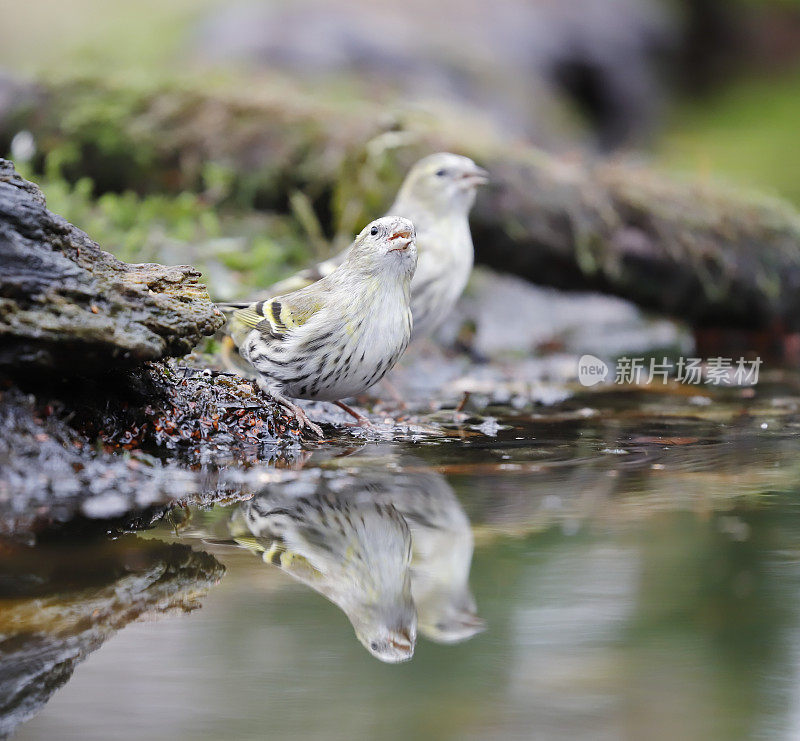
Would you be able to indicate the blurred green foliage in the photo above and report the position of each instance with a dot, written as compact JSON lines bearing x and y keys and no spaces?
{"x":748,"y":133}
{"x":238,"y":252}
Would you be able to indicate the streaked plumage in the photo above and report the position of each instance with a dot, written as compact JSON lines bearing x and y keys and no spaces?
{"x":442,"y":545}
{"x":337,"y":337}
{"x":390,"y":545}
{"x":436,"y":196}
{"x":349,"y":548}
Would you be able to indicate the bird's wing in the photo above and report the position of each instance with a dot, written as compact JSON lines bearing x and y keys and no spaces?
{"x":276,"y":316}
{"x":309,"y":275}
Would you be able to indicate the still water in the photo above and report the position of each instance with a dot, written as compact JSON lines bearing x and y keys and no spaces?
{"x":619,"y":566}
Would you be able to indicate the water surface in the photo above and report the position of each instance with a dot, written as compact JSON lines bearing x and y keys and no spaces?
{"x":621,"y":565}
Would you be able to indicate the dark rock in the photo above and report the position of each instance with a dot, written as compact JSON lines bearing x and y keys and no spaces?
{"x":68,"y":305}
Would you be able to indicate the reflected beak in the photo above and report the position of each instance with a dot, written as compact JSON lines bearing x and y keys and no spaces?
{"x":402,"y":641}
{"x":474,"y":177}
{"x":399,"y":647}
{"x":405,"y":238}
{"x":402,"y":645}
{"x":467,"y":625}
{"x":473,"y":622}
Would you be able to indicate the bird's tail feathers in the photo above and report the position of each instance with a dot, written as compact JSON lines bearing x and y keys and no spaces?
{"x":228,"y":307}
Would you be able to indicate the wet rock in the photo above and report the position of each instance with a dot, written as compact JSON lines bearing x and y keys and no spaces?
{"x":51,"y":475}
{"x":68,"y":305}
{"x":511,"y":316}
{"x":76,"y":327}
{"x":193,"y":415}
{"x":58,"y":604}
{"x":87,"y":458}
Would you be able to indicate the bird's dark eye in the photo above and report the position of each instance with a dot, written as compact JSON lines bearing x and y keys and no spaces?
{"x":373,"y":231}
{"x":441,"y":173}
{"x":374,"y":645}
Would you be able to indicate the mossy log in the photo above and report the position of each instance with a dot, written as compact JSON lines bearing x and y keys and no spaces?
{"x":695,"y":250}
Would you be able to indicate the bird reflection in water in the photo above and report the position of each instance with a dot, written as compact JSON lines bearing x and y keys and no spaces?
{"x":391,"y":550}
{"x":349,"y":548}
{"x":442,"y":547}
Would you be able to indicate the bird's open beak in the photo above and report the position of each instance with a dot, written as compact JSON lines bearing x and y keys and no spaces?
{"x":474,"y":176}
{"x":402,"y":641}
{"x":405,"y":238}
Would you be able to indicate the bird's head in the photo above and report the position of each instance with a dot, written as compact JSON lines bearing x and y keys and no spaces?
{"x":442,"y":183}
{"x":388,"y":631}
{"x":386,"y":243}
{"x":450,"y":618}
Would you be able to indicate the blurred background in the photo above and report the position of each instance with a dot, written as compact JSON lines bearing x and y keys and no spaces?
{"x":699,"y":85}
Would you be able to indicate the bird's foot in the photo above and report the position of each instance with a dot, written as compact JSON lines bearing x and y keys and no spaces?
{"x":298,"y":412}
{"x":305,"y":422}
{"x":360,"y":418}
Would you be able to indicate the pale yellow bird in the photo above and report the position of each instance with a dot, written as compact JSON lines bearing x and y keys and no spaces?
{"x":339,"y":336}
{"x":441,"y":546}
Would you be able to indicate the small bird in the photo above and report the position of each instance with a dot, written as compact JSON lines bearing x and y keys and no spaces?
{"x":354,"y":551}
{"x":338,"y":336}
{"x":437,"y":196}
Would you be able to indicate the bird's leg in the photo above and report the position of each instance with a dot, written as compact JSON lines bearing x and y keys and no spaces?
{"x":298,"y":412}
{"x":360,"y":418}
{"x":302,"y":417}
{"x":463,"y":402}
{"x":395,"y":394}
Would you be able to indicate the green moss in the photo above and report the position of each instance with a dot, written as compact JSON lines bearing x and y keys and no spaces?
{"x":265,"y":259}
